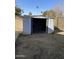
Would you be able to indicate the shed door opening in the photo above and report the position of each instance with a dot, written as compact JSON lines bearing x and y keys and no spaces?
{"x":38,"y":25}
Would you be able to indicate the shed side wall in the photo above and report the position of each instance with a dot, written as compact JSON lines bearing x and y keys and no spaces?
{"x":50,"y":26}
{"x":27,"y":25}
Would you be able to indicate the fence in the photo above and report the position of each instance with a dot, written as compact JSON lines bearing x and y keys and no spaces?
{"x":18,"y":24}
{"x":59,"y":23}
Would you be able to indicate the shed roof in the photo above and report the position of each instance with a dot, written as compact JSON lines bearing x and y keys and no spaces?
{"x":36,"y":16}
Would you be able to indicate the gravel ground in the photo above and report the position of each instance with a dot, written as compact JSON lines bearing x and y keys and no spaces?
{"x":40,"y":46}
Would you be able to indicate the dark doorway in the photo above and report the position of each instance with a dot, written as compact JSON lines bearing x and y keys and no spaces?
{"x":38,"y":25}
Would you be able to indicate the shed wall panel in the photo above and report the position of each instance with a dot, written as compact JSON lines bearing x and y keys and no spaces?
{"x":50,"y":25}
{"x":27,"y":25}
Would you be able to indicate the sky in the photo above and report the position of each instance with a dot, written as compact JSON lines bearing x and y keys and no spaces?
{"x":30,"y":5}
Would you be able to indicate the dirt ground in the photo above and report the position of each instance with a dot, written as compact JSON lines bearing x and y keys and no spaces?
{"x":40,"y":46}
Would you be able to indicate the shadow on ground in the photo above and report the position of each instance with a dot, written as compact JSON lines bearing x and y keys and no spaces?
{"x":40,"y":46}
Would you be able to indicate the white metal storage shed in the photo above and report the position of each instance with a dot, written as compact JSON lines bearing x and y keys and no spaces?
{"x":37,"y":24}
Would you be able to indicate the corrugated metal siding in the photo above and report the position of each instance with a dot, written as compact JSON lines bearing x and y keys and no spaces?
{"x":27,"y":25}
{"x":50,"y":25}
